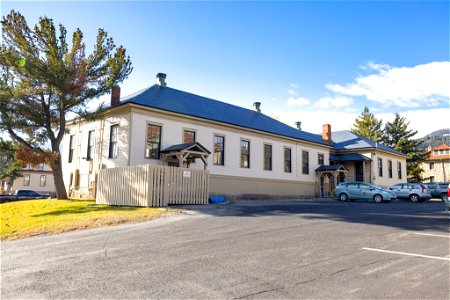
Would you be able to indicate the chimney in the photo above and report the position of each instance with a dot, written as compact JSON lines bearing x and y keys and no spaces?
{"x":115,"y":95}
{"x":257,"y":106}
{"x":298,"y":124}
{"x":161,"y":79}
{"x":326,"y":133}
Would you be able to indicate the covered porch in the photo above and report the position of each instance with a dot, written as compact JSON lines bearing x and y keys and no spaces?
{"x":359,"y":166}
{"x":329,"y":177}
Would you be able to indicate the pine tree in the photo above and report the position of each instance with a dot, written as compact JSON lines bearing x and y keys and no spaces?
{"x":368,"y":126}
{"x":44,"y":78}
{"x":10,"y":168}
{"x":397,"y":136}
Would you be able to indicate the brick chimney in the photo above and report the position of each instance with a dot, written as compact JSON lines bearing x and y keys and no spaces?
{"x":115,"y":95}
{"x":326,"y":133}
{"x":161,"y":79}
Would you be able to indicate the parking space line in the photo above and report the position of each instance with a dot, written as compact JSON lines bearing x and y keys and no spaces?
{"x":407,"y":254}
{"x":431,"y":234}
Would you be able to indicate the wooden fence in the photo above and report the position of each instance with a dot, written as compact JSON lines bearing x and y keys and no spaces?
{"x":146,"y":185}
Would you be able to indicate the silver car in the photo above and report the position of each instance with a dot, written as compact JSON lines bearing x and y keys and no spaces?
{"x":364,"y":191}
{"x":415,"y":192}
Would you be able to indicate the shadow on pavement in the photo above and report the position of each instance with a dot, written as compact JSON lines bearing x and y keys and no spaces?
{"x":400,"y":214}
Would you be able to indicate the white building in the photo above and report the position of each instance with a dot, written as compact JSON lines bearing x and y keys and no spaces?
{"x":252,"y":155}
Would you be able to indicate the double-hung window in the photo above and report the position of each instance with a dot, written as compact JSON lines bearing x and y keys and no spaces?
{"x":287,"y":160}
{"x":399,"y":170}
{"x":188,"y":136}
{"x":380,"y":167}
{"x":90,"y":146}
{"x":71,"y":147}
{"x":219,"y":150}
{"x":305,"y":162}
{"x":153,"y":145}
{"x":43,"y":180}
{"x":113,"y":139}
{"x":390,"y":168}
{"x":320,"y":159}
{"x":245,"y":154}
{"x":267,"y":157}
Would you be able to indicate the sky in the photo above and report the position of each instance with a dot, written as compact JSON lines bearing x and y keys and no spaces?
{"x":311,"y":61}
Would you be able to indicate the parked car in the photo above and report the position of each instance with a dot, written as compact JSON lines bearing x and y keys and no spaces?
{"x":23,"y":195}
{"x":447,"y":200}
{"x":415,"y":192}
{"x":361,"y":190}
{"x":438,"y":190}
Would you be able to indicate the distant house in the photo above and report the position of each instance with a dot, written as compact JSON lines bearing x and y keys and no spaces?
{"x":39,"y":179}
{"x":248,"y":153}
{"x":437,"y":166}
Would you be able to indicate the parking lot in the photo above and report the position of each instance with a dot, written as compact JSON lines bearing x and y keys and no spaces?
{"x":321,"y":249}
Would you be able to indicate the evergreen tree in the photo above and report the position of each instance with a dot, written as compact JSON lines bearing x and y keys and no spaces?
{"x":397,"y":136}
{"x":368,"y":126}
{"x":43,"y":78}
{"x":10,"y":168}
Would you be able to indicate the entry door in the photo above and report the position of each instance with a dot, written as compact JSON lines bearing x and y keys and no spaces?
{"x":359,"y":171}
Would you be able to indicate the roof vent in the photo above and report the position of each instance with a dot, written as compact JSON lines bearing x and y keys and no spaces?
{"x":257,"y":106}
{"x":298,"y":124}
{"x":161,"y":79}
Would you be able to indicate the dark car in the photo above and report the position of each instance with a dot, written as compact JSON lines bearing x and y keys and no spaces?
{"x":438,"y":190}
{"x":23,"y":195}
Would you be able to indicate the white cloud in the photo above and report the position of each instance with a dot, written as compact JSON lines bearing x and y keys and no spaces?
{"x":424,"y":121}
{"x":292,"y":92}
{"x":298,"y":101}
{"x":334,"y":102}
{"x":422,"y":85}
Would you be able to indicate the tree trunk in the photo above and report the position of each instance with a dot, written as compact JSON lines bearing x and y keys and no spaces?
{"x":56,"y":166}
{"x":9,"y":185}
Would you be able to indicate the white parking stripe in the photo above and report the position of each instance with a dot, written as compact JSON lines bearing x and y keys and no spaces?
{"x":431,"y":234}
{"x":408,"y":254}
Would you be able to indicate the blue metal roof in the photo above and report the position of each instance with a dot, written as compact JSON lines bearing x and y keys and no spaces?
{"x":169,"y":99}
{"x":347,"y":140}
{"x":352,"y":157}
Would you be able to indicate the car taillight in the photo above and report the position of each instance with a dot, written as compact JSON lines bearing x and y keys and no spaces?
{"x":423,"y":188}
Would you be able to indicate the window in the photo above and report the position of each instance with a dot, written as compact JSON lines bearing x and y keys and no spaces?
{"x":267,"y":157}
{"x":447,"y":151}
{"x":390,"y":168}
{"x":219,"y":150}
{"x":320,"y":159}
{"x":71,"y":147}
{"x":380,"y":167}
{"x":188,"y":136}
{"x":287,"y":160}
{"x":399,"y":170}
{"x":245,"y":154}
{"x":436,"y":152}
{"x":113,"y":148}
{"x":432,"y":165}
{"x":432,"y":179}
{"x":26,"y":179}
{"x":90,"y":146}
{"x":305,"y":162}
{"x":364,"y":186}
{"x":153,"y":145}
{"x":43,"y":180}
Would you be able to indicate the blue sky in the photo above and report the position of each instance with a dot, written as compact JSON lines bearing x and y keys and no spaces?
{"x":316,"y":62}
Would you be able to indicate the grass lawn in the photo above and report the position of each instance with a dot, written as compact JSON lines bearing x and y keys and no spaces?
{"x":27,"y":218}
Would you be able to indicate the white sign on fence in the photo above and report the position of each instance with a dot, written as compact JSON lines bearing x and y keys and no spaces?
{"x":187,"y":174}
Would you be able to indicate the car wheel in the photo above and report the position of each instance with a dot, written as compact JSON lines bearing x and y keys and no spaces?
{"x":378,"y":198}
{"x":444,"y":197}
{"x":343,"y":197}
{"x":414,"y":198}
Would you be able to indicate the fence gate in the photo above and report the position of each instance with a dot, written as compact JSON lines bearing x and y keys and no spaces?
{"x":145,"y":185}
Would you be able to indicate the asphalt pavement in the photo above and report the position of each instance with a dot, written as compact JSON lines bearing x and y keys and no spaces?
{"x":315,"y":249}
